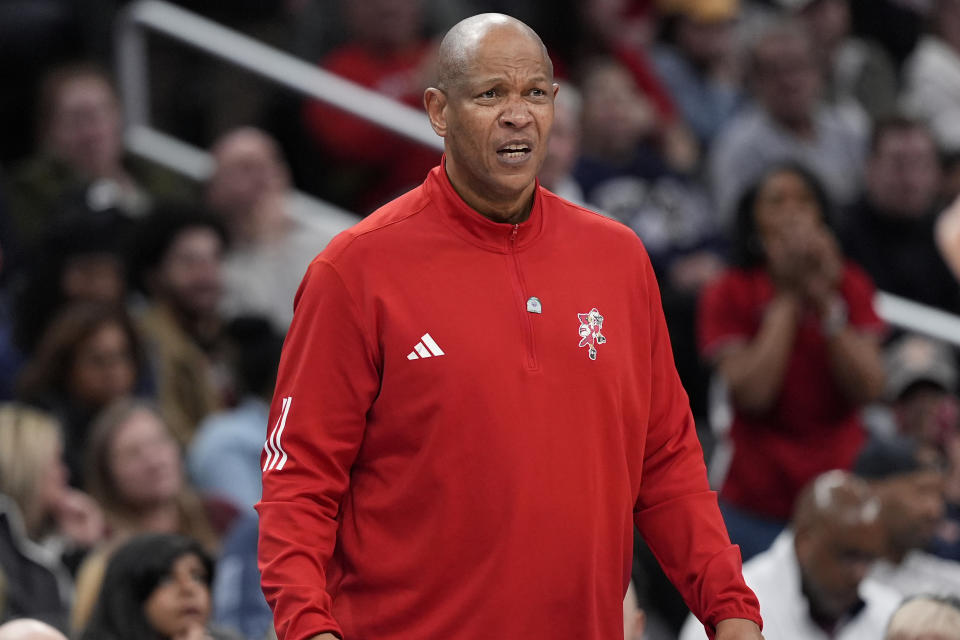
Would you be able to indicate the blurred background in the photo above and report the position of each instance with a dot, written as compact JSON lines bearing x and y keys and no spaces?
{"x":168,"y":170}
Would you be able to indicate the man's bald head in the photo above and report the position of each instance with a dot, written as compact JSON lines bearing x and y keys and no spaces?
{"x":837,"y":537}
{"x":459,"y":45}
{"x":25,"y":629}
{"x":836,"y":497}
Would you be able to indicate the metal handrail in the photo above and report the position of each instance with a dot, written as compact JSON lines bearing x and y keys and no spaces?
{"x":917,"y":317}
{"x":254,"y":56}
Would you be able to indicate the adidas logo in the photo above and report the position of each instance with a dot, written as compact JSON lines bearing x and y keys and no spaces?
{"x":425,"y":348}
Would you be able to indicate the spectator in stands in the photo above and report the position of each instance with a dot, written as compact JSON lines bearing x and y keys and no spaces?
{"x":389,"y":54}
{"x":580,"y":30}
{"x":40,"y":517}
{"x":890,"y":231}
{"x":135,"y":471}
{"x":792,"y":331}
{"x":909,"y":480}
{"x":79,"y":258}
{"x":812,"y":583}
{"x":932,"y":75}
{"x":697,"y":64}
{"x":89,"y":357}
{"x":29,"y":629}
{"x":238,"y":601}
{"x":624,"y":174}
{"x":156,"y":587}
{"x":178,"y":262}
{"x":858,"y":73}
{"x":926,"y":618}
{"x":921,"y":390}
{"x":563,"y":147}
{"x":224,"y":457}
{"x":922,"y":405}
{"x":627,"y":177}
{"x":81,"y":150}
{"x":790,"y":122}
{"x":270,"y":242}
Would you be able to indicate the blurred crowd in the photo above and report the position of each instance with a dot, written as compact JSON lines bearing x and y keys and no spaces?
{"x":782,"y":160}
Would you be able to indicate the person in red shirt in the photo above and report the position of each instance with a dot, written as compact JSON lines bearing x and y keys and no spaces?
{"x":792,"y":331}
{"x":389,"y":53}
{"x":477,"y":401}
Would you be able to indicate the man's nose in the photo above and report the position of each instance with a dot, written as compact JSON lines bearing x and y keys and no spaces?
{"x":516,"y":114}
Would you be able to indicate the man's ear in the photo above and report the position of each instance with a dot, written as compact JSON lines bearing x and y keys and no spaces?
{"x":435,"y":102}
{"x":556,"y":88}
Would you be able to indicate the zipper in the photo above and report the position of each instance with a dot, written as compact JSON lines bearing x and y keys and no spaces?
{"x":526,"y":320}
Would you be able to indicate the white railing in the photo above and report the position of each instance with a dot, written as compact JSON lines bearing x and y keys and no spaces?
{"x":918,"y":317}
{"x":208,"y":36}
{"x":254,"y":56}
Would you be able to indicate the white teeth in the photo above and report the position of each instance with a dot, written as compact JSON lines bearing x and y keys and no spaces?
{"x":515,"y":147}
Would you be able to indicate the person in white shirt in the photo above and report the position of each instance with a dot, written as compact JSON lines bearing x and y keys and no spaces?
{"x":909,"y":481}
{"x":271,"y":241}
{"x":811,"y":582}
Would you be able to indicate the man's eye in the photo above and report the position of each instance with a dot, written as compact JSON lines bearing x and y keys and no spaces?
{"x":538,"y":92}
{"x":489,"y":93}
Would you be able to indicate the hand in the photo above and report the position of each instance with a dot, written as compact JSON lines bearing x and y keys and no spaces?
{"x":826,"y":266}
{"x":738,"y":629}
{"x":786,"y":262}
{"x":80,"y":518}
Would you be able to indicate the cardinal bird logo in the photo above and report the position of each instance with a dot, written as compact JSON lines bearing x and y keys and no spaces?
{"x":591,"y":324}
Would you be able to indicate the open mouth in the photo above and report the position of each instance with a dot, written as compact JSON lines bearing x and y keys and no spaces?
{"x":513,"y":153}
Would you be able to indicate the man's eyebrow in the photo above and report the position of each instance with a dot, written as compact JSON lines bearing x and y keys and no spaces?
{"x":497,"y":80}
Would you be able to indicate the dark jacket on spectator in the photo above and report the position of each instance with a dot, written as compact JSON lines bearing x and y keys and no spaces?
{"x":37,"y":584}
{"x":900,"y":255}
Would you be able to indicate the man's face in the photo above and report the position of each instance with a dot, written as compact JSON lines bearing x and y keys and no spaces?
{"x":788,"y":81}
{"x":706,"y":42}
{"x":563,"y":147}
{"x":248,"y":168}
{"x":616,"y":114}
{"x":496,"y":120}
{"x":903,"y":173}
{"x":913,"y":506}
{"x":829,"y":21}
{"x":190,"y":276}
{"x":85,"y":126}
{"x":834,"y":558}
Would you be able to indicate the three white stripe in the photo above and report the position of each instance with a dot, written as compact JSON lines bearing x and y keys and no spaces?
{"x":276,"y":456}
{"x":421,"y":351}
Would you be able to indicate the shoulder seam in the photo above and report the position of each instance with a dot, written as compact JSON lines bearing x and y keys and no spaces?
{"x":353,"y":236}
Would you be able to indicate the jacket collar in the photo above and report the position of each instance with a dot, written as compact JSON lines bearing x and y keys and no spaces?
{"x":476,"y":228}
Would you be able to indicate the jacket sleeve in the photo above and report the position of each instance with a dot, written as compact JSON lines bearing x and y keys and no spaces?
{"x":676,"y":512}
{"x":327,"y":381}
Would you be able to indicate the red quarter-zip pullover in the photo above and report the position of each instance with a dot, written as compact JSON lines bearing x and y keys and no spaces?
{"x":469,"y":418}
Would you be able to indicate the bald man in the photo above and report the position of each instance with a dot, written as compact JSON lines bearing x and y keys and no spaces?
{"x":477,"y":401}
{"x":812,"y":582}
{"x":26,"y":629}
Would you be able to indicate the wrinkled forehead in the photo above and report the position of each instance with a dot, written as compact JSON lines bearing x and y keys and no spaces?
{"x":502,"y":49}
